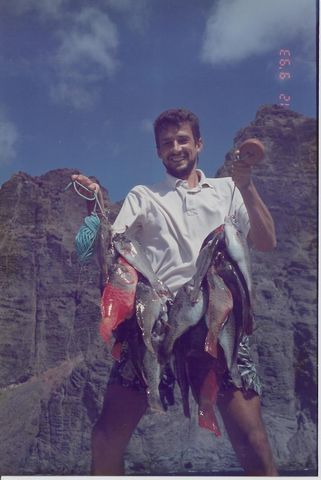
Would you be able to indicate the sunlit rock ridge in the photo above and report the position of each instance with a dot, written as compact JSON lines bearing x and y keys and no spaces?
{"x":54,"y":366}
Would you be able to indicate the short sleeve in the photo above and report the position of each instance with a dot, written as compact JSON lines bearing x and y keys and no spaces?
{"x":130,"y":215}
{"x":240,"y":212}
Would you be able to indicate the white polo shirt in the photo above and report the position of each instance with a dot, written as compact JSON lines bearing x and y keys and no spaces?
{"x":171,"y":221}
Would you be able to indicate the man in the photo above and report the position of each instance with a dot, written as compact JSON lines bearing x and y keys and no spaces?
{"x":171,"y":220}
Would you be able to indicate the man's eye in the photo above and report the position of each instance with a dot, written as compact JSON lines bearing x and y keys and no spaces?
{"x":183,"y":140}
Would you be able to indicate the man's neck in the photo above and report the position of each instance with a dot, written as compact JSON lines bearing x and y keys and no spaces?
{"x":193,"y":179}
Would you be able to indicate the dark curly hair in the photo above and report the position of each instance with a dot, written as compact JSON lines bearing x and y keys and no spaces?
{"x":176,"y":116}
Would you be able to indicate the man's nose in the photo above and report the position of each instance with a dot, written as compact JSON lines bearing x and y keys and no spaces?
{"x":176,"y":147}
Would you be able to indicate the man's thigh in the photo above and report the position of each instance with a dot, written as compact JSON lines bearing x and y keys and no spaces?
{"x":241,"y":413}
{"x":240,"y":409}
{"x":122,"y":409}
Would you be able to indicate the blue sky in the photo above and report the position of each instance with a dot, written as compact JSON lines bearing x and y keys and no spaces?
{"x":81,"y":81}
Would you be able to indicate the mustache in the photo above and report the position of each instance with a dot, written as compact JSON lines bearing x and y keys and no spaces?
{"x":181,"y":173}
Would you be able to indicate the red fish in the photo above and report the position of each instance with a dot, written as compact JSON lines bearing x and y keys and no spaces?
{"x":207,"y":400}
{"x":219,"y":306}
{"x":118,"y":298}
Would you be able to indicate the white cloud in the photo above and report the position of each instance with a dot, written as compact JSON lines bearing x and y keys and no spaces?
{"x":86,"y":55}
{"x":238,"y":29}
{"x":92,"y":38}
{"x":8,"y":140}
{"x":74,"y":93}
{"x":44,"y":8}
{"x":85,"y":50}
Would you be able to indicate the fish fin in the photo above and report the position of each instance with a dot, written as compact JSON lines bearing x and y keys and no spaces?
{"x":155,"y":404}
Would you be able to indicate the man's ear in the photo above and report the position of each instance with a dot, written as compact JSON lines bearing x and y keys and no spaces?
{"x":199,"y":145}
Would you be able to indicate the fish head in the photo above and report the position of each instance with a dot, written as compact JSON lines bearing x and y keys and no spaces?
{"x":123,"y":274}
{"x":219,"y":229}
{"x":231,"y":221}
{"x":214,"y":236}
{"x":124,"y":245}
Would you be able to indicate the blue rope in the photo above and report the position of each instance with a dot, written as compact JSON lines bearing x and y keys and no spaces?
{"x":86,"y":237}
{"x":87,"y":234}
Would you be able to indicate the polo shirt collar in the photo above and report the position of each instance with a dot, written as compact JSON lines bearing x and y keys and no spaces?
{"x":174,"y":182}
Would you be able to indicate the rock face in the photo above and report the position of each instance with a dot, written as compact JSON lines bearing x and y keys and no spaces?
{"x":54,"y":366}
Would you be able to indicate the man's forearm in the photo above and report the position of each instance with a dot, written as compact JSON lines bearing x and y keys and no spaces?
{"x":262,"y":230}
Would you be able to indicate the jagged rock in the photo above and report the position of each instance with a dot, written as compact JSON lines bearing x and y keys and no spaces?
{"x":285,"y":280}
{"x":54,"y":366}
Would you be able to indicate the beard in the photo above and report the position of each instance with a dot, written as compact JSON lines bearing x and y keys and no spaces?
{"x":181,"y":172}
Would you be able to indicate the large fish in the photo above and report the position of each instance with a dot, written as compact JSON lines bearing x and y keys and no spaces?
{"x":203,"y":379}
{"x":207,"y":401}
{"x":118,"y":298}
{"x":146,"y":365}
{"x":152,"y":375}
{"x":133,"y":252}
{"x":227,"y":340}
{"x":180,"y":351}
{"x":210,"y":245}
{"x":237,"y":248}
{"x":183,"y":314}
{"x":220,"y":304}
{"x":233,"y":278}
{"x":151,"y":314}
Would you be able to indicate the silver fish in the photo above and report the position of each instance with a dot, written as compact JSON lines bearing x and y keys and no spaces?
{"x":151,"y":314}
{"x":237,"y":248}
{"x":233,"y":278}
{"x":146,"y":366}
{"x":152,"y":376}
{"x":204,"y":260}
{"x":182,"y":315}
{"x":133,"y":252}
{"x":181,"y":375}
{"x":227,"y":340}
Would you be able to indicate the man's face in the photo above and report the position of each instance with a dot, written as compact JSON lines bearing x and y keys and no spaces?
{"x":178,"y":149}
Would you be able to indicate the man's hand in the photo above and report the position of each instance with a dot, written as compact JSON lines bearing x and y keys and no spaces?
{"x":86,"y":182}
{"x":262,"y":230}
{"x":93,"y":187}
{"x":241,"y":172}
{"x":250,"y":153}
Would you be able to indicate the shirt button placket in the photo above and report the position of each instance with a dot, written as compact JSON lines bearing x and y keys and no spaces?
{"x":190,"y":204}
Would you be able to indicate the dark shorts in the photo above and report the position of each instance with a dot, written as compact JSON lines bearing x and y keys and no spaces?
{"x":244,"y":375}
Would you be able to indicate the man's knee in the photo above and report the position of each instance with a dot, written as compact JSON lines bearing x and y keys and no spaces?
{"x":257,"y":438}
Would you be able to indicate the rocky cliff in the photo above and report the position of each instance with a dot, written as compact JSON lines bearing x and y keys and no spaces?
{"x":54,"y":366}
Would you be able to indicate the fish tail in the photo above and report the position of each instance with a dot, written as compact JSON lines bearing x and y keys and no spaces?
{"x":117,"y":350}
{"x":155,"y":403}
{"x":208,"y":396}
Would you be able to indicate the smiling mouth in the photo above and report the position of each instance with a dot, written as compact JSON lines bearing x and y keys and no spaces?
{"x":177,"y":159}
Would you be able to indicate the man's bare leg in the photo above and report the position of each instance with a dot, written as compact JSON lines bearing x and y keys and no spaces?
{"x":122,"y":410}
{"x":241,"y":413}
